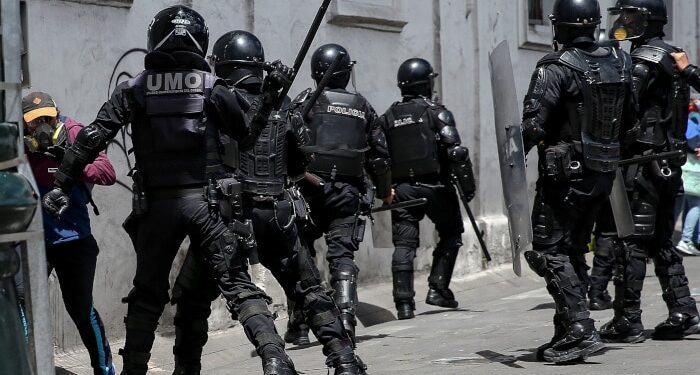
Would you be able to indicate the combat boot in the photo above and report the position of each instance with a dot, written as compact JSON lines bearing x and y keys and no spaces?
{"x":677,"y":326}
{"x":404,"y":293}
{"x":404,"y":310}
{"x":134,"y":363}
{"x":297,"y":330}
{"x":349,"y":364}
{"x":297,"y":334}
{"x":442,"y":298}
{"x":559,"y":333}
{"x":623,"y":330}
{"x":578,"y":343}
{"x":599,"y":300}
{"x":275,"y":361}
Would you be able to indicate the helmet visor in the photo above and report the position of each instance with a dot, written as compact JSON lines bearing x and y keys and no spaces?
{"x":626,"y":23}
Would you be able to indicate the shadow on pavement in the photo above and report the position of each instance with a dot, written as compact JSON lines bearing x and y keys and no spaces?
{"x":371,"y":315}
{"x":440,"y":311}
{"x":544,"y":306}
{"x":496,"y":357}
{"x":62,"y":371}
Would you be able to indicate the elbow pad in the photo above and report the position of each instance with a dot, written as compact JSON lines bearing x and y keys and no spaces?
{"x":88,"y":144}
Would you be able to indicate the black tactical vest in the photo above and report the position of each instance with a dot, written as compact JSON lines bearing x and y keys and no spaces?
{"x":262,"y":170}
{"x":338,"y":134}
{"x":171,"y":134}
{"x":412,"y":139}
{"x":664,"y":104}
{"x":597,"y":118}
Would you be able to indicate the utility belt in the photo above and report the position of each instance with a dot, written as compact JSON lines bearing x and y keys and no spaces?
{"x":423,"y":179}
{"x":558,"y":163}
{"x":262,"y":187}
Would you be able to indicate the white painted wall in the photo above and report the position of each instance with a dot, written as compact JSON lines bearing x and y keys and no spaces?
{"x":74,"y":47}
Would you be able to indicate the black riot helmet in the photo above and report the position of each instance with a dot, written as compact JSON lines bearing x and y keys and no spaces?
{"x":575,"y":21}
{"x":178,"y":29}
{"x":238,"y":56}
{"x":637,"y":19}
{"x":416,"y":78}
{"x":322,"y":59}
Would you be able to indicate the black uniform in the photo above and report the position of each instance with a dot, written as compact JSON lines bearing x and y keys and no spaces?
{"x":275,"y":210}
{"x":425,"y":150}
{"x":577,"y":124}
{"x":343,"y":140}
{"x":653,"y":188}
{"x":171,"y":129}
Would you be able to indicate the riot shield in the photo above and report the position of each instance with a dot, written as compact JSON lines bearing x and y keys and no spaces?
{"x":511,"y":152}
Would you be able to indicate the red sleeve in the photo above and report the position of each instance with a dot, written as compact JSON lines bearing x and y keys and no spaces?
{"x":101,"y":171}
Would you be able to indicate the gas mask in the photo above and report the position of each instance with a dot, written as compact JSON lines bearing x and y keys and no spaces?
{"x":45,"y":137}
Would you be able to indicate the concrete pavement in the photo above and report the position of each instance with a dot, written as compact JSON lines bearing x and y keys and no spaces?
{"x":501,"y":320}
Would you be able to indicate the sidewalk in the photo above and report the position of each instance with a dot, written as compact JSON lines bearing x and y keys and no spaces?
{"x":500,"y":322}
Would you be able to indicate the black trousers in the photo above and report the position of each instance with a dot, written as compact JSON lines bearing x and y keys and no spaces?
{"x":279,"y":250}
{"x":157,"y":237}
{"x":333,"y":210}
{"x":74,"y":263}
{"x":442,"y":208}
{"x":563,"y":217}
{"x":652,"y":198}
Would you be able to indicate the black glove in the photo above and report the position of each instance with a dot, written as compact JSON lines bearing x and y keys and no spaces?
{"x":56,"y":153}
{"x":278,"y":80}
{"x":56,"y":202}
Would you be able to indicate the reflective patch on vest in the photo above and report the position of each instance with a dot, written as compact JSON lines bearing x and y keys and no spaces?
{"x":166,"y":83}
{"x":406,"y":121}
{"x":346,"y":111}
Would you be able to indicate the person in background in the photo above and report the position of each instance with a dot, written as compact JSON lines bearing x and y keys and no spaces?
{"x":691,"y":184}
{"x":71,"y":250}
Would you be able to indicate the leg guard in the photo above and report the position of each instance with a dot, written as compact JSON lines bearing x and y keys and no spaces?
{"x":403,"y":290}
{"x":323,"y":317}
{"x":603,"y":264}
{"x":626,"y":326}
{"x":344,"y":283}
{"x":444,"y":258}
{"x":674,"y":283}
{"x":580,"y":338}
{"x":141,"y":322}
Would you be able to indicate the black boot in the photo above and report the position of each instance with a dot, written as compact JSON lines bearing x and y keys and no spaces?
{"x":404,"y":293}
{"x":182,"y":369}
{"x":443,"y":265}
{"x":559,"y":333}
{"x":134,"y":363}
{"x":581,"y":340}
{"x":297,"y":329}
{"x":349,"y":364}
{"x":677,"y":326}
{"x":442,"y":298}
{"x":344,"y":283}
{"x":277,"y":364}
{"x":599,"y":300}
{"x":623,"y":330}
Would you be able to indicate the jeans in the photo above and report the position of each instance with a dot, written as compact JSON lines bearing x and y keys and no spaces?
{"x":691,"y":219}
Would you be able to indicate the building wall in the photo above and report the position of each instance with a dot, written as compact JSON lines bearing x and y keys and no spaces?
{"x":80,"y":49}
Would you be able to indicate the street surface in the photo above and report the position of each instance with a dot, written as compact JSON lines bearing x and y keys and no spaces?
{"x":500,"y":322}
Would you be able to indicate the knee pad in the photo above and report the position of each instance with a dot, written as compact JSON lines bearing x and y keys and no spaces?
{"x":537,"y":262}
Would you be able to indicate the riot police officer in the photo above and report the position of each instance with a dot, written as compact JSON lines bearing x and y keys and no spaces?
{"x":663,"y":100}
{"x":176,"y":107}
{"x":426,"y":152}
{"x":343,"y":140}
{"x":262,"y":193}
{"x":577,"y":108}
